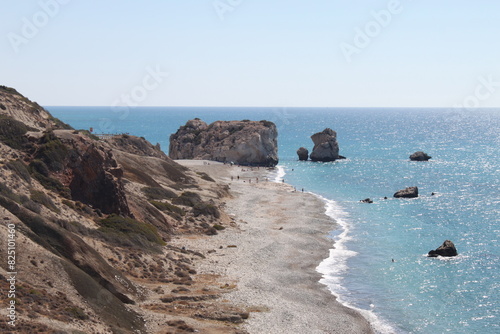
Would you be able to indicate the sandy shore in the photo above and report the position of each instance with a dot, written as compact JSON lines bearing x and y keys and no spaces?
{"x":279,"y":239}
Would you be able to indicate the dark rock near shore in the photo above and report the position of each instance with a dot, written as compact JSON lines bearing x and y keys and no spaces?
{"x":420,"y":156}
{"x":326,"y":147}
{"x":410,"y":192}
{"x":303,"y":154}
{"x":366,"y":200}
{"x":446,"y":249}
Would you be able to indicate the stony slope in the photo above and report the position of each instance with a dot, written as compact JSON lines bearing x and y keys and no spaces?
{"x":93,"y":220}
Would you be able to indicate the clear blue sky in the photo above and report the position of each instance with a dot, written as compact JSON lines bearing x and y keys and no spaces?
{"x":253,"y":52}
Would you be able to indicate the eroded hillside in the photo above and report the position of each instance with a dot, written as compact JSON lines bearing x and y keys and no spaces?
{"x":93,"y":221}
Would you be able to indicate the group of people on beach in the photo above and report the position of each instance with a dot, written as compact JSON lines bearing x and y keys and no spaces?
{"x":249,"y":179}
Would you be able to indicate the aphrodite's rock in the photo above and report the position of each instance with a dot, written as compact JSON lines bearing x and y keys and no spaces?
{"x":303,"y":154}
{"x":446,"y":249}
{"x":326,"y":147}
{"x":242,"y":142}
{"x":409,"y":192}
{"x":420,"y":156}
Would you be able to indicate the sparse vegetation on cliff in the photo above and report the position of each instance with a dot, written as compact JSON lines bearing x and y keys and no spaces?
{"x":96,"y":215}
{"x":130,"y":231}
{"x":21,"y":170}
{"x":156,"y":193}
{"x":12,"y":132}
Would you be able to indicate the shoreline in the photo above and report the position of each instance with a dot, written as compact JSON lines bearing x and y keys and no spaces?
{"x":279,"y":239}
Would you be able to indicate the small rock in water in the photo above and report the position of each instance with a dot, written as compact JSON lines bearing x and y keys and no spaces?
{"x":366,"y":200}
{"x":446,"y":249}
{"x":303,"y":154}
{"x":409,"y":192}
{"x":420,"y":156}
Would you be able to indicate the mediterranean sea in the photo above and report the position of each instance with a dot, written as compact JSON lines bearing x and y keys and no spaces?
{"x":377,"y":263}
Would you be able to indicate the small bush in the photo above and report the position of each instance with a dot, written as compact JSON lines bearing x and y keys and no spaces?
{"x":41,"y":198}
{"x":5,"y":191}
{"x":12,"y":132}
{"x":60,"y":124}
{"x":52,"y":152}
{"x":77,"y":313}
{"x":219,"y":227}
{"x":75,"y":227}
{"x":205,"y":176}
{"x":89,"y":134}
{"x":163,"y":206}
{"x":18,"y":167}
{"x":187,"y":198}
{"x":206,"y":209}
{"x":40,"y":167}
{"x":131,"y":229}
{"x":69,"y":204}
{"x":32,"y":206}
{"x":157,"y":193}
{"x":46,"y":181}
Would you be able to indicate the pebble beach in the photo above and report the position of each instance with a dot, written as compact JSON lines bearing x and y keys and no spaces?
{"x":280,"y":237}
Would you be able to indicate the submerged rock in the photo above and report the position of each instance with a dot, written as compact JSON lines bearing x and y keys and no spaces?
{"x":446,"y":249}
{"x":420,"y":156}
{"x":242,"y":142}
{"x":303,"y":154}
{"x":326,"y":147}
{"x":410,"y":192}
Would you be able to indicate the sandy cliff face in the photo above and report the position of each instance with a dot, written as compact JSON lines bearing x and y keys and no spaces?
{"x":93,"y":220}
{"x":15,"y":105}
{"x":241,"y":142}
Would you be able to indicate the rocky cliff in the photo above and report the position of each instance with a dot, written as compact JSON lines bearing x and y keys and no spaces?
{"x":93,"y":220}
{"x":31,"y":114}
{"x":241,"y":142}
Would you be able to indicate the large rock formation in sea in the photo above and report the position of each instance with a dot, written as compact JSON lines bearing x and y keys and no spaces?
{"x":420,"y":156}
{"x":241,"y":142}
{"x":409,"y":192}
{"x":326,"y":147}
{"x":446,"y":249}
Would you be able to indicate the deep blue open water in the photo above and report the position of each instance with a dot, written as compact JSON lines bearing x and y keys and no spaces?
{"x":413,"y":294}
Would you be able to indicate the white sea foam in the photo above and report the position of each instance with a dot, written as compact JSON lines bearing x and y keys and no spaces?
{"x":280,"y":174}
{"x":335,"y":267}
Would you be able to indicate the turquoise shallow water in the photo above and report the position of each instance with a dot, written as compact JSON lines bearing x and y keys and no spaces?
{"x":414,"y":294}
